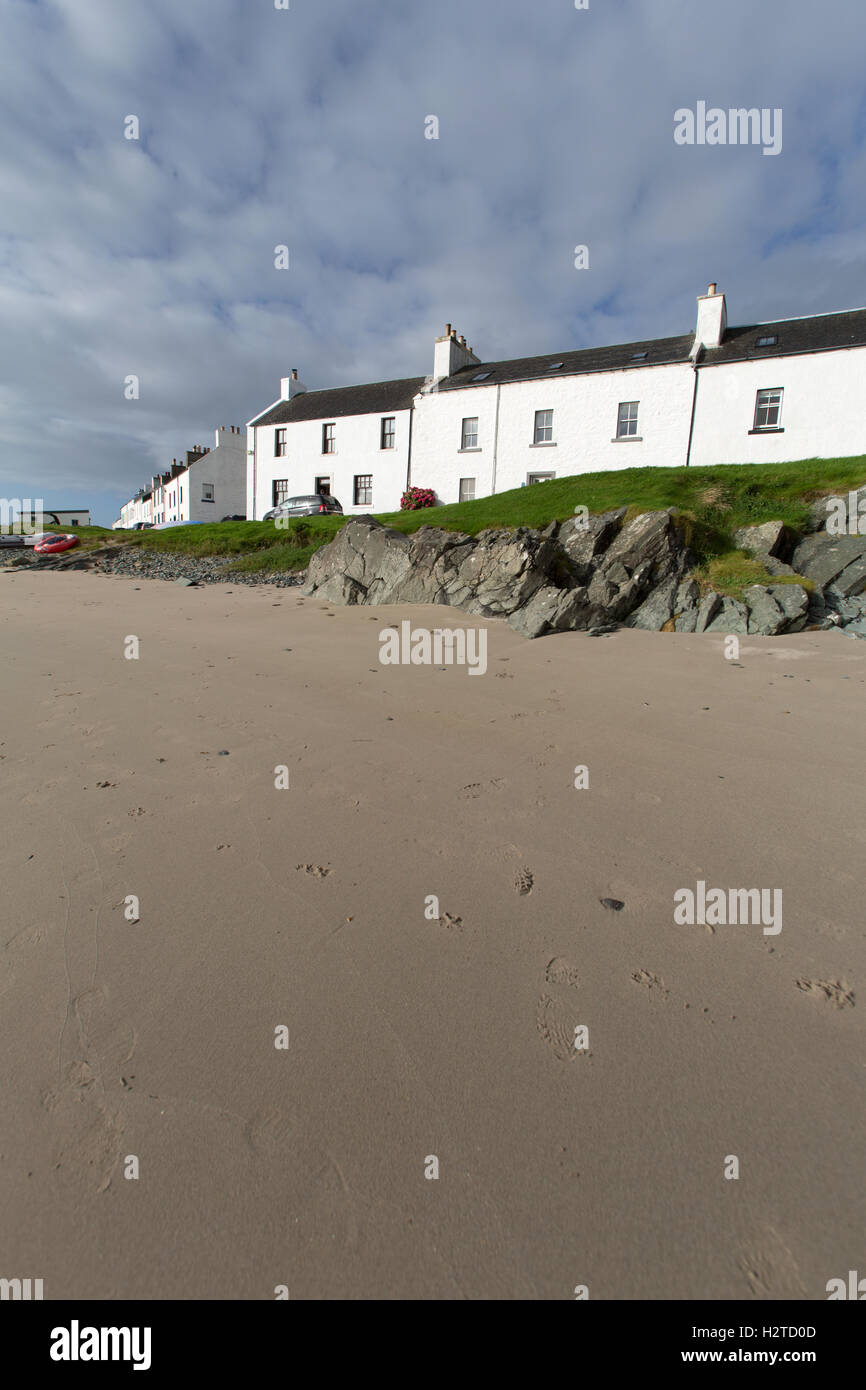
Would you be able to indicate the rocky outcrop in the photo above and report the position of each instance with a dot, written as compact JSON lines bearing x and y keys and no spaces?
{"x":565,"y":578}
{"x":596,"y":574}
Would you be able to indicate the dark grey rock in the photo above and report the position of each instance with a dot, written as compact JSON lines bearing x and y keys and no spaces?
{"x":583,"y":543}
{"x":686,"y":605}
{"x":772,"y":538}
{"x":793,"y":600}
{"x":733,"y":617}
{"x":657,"y":609}
{"x":765,"y":616}
{"x":836,"y":560}
{"x":824,"y":510}
{"x":709,"y":607}
{"x":776,"y":567}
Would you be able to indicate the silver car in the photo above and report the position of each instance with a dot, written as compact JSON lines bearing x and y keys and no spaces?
{"x":313,"y":504}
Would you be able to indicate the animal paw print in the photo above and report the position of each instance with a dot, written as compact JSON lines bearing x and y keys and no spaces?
{"x":833,"y":991}
{"x":652,"y":982}
{"x":453,"y":923}
{"x":314,"y":870}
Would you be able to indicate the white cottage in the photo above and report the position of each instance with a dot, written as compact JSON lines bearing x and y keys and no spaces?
{"x":762,"y":393}
{"x":353,"y":443}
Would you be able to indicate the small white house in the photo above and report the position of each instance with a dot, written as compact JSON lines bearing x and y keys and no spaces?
{"x":762,"y":393}
{"x":352,"y":443}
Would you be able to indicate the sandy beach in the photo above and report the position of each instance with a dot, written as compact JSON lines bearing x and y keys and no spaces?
{"x":414,"y":1037}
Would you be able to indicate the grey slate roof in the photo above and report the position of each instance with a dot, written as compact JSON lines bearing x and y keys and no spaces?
{"x":379,"y":398}
{"x":818,"y":333}
{"x":660,"y":352}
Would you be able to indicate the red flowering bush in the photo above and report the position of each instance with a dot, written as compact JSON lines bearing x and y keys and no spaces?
{"x":416,"y":497}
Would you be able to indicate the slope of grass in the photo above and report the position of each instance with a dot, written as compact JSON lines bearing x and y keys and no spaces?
{"x":712,"y":503}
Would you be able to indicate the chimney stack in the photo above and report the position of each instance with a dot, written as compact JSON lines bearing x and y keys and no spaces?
{"x":450,"y":353}
{"x":291,"y":386}
{"x":712,"y":320}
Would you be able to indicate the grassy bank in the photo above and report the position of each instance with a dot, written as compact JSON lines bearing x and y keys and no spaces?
{"x":713,"y":503}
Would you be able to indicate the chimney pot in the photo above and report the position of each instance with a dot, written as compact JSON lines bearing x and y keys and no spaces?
{"x":712,"y":289}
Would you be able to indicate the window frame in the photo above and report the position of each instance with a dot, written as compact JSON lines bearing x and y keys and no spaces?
{"x":362,"y":482}
{"x":385,"y":434}
{"x":627,"y":420}
{"x":768,"y":405}
{"x":538,"y":428}
{"x":281,"y":442}
{"x":329,"y":441}
{"x":468,"y":434}
{"x":460,"y":497}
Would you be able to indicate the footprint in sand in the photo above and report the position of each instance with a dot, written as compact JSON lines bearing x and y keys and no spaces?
{"x":91,"y":1126}
{"x":269,"y":1133}
{"x":475,"y":789}
{"x":833,"y":991}
{"x":523,"y":883}
{"x":314,"y":870}
{"x":770,"y":1269}
{"x":556,"y":1020}
{"x":560,"y":972}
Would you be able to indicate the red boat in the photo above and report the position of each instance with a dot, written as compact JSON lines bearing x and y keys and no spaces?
{"x":55,"y":544}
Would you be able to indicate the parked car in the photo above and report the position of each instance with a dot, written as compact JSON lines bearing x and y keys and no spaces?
{"x":313,"y":504}
{"x":142,"y":526}
{"x":164,"y":525}
{"x":233,"y":518}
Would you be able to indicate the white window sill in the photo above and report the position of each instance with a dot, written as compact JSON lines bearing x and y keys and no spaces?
{"x":471,"y":449}
{"x":544,"y":444}
{"x":628,"y":439}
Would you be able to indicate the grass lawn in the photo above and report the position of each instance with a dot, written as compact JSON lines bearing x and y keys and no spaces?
{"x":712,"y":502}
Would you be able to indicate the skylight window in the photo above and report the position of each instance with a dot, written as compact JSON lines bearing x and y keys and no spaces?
{"x":639,"y":356}
{"x":552,"y":366}
{"x":482,"y":376}
{"x":769,"y":341}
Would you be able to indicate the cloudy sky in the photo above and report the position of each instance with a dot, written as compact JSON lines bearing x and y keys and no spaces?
{"x":305,"y":127}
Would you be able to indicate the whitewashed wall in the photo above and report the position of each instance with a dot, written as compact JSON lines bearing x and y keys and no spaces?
{"x":225,"y":467}
{"x":357,"y":451}
{"x":585,"y":412}
{"x":822,"y":409}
